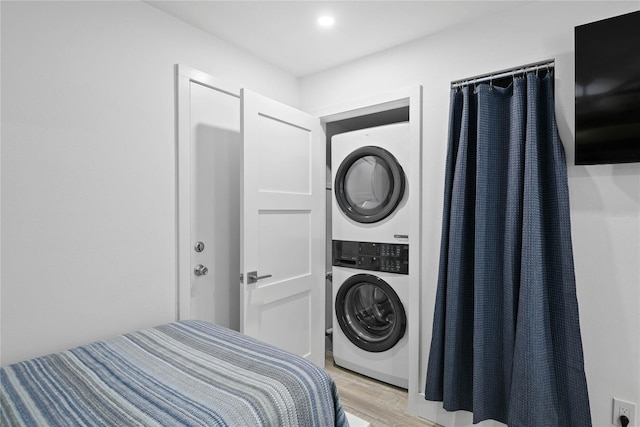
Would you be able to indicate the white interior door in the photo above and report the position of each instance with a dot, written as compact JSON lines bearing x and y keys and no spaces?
{"x":215,"y":205}
{"x":208,"y":197}
{"x":282,"y":226}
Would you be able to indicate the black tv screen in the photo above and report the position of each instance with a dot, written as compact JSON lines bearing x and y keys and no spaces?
{"x":608,"y":91}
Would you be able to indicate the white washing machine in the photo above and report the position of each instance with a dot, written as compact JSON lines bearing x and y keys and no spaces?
{"x":370,"y":188}
{"x":370,"y":251}
{"x":370,"y":324}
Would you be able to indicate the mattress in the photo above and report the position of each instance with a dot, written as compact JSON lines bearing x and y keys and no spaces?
{"x":187,"y":373}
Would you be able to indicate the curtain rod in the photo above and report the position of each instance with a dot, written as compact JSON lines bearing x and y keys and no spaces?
{"x":505,"y":73}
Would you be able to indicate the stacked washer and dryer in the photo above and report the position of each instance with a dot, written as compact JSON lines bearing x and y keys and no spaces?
{"x":370,"y":257}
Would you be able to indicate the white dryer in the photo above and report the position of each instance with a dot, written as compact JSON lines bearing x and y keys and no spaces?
{"x":370,"y":297}
{"x":370,"y":188}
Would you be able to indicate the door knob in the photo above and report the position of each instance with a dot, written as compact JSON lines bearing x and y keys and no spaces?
{"x":200,"y":270}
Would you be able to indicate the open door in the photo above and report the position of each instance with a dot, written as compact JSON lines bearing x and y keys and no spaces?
{"x":282,"y":226}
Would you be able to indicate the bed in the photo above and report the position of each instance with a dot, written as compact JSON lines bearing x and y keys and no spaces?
{"x":187,"y":373}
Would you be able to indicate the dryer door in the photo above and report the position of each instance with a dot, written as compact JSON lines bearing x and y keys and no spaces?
{"x":370,"y":313}
{"x":369,"y":184}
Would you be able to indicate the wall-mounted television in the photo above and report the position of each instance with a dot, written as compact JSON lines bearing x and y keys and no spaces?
{"x":608,"y":91}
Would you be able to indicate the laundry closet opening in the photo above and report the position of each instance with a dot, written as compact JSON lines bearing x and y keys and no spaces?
{"x":381,"y":118}
{"x":368,"y":243}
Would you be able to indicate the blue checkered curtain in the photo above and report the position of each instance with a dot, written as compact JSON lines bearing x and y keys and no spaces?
{"x":506,"y":338}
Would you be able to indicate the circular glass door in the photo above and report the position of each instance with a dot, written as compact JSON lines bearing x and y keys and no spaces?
{"x":370,"y":313}
{"x":369,"y":184}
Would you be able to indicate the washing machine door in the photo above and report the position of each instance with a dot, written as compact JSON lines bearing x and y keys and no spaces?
{"x":369,"y":184}
{"x":370,"y":313}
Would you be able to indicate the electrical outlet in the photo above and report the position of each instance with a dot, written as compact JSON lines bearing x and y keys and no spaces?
{"x":622,"y":407}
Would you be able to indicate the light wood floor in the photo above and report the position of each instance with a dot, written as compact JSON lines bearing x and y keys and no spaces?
{"x":381,"y":404}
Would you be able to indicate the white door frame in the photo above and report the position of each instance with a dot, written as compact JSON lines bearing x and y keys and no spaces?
{"x":412,"y":97}
{"x":184,"y":77}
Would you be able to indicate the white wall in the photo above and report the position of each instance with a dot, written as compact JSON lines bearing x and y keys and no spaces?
{"x":605,"y":200}
{"x":88,"y":173}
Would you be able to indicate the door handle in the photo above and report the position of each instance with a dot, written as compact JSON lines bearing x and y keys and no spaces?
{"x":200,"y":270}
{"x":252,"y":277}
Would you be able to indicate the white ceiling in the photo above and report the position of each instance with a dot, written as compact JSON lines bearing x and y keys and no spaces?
{"x":285,"y":33}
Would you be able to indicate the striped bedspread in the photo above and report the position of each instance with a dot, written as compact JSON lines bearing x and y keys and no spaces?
{"x":186,"y":373}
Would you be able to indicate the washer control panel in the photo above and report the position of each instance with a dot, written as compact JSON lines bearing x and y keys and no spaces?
{"x":388,"y":257}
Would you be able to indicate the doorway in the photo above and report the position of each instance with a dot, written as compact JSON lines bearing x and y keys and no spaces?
{"x":215,"y":205}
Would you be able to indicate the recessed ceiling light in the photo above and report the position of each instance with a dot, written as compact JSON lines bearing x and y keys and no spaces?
{"x":326,"y":21}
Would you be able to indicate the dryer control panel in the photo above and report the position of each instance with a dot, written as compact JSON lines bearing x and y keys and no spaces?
{"x":388,"y":257}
